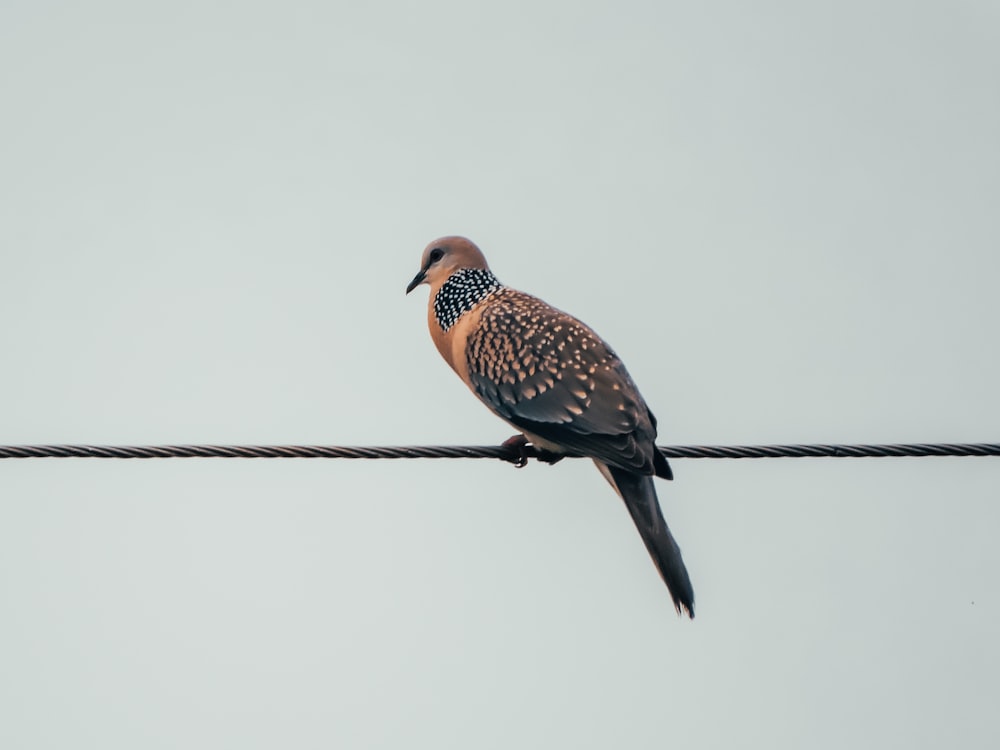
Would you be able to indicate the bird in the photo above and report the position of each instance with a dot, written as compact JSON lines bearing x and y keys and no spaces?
{"x":551,"y":377}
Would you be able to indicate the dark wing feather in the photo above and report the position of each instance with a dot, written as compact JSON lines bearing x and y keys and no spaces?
{"x":549,"y":374}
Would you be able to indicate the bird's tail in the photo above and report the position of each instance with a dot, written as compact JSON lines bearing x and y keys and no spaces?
{"x":639,"y":495}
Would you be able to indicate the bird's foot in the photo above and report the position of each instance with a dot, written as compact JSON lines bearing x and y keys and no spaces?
{"x":522,"y":450}
{"x":548,"y":457}
{"x":517,"y":446}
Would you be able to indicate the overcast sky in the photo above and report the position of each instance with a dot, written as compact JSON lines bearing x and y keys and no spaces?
{"x":784,"y":216}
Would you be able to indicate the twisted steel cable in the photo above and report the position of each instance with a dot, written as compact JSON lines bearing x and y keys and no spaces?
{"x":512,"y":454}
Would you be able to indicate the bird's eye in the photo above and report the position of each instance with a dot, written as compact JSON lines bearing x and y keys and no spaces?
{"x":436,"y":255}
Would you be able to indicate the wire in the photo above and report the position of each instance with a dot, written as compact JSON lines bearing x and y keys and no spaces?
{"x":511,"y":453}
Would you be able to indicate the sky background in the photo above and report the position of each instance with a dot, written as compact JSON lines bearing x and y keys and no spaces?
{"x":784,"y":216}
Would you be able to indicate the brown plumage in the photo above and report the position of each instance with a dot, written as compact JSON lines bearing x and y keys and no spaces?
{"x":553,"y":378}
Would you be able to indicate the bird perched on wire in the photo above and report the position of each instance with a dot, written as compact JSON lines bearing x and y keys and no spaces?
{"x":553,"y":378}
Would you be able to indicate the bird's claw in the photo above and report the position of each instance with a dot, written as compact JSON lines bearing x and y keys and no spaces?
{"x":518,"y":452}
{"x":548,"y":457}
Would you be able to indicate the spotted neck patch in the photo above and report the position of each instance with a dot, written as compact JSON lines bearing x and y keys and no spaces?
{"x":463,"y":290}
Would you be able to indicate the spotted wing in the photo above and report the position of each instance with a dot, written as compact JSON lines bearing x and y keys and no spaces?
{"x":550,"y":375}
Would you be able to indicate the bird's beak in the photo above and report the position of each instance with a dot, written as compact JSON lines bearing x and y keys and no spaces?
{"x":417,"y":280}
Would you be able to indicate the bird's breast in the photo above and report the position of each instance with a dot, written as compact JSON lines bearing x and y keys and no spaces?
{"x":451,"y":342}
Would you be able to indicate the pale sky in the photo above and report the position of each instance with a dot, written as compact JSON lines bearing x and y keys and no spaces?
{"x":782,"y":215}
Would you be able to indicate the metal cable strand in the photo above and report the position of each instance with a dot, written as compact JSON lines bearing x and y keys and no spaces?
{"x":832,"y":451}
{"x":505,"y":453}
